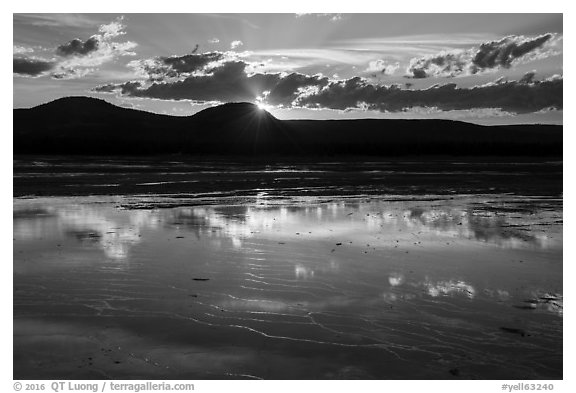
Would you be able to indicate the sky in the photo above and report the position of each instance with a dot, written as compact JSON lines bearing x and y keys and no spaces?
{"x":481,"y":68}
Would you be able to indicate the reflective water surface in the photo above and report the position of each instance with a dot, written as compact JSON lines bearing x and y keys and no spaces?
{"x":268,"y":287}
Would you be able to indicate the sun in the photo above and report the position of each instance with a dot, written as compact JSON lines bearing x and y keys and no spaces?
{"x":262,"y":107}
{"x":260,"y":102}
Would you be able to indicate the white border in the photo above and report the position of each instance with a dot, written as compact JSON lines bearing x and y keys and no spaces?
{"x":229,"y":6}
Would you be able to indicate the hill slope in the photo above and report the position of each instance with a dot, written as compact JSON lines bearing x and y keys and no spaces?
{"x":82,"y":125}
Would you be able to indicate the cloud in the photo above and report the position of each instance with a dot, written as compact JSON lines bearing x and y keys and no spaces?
{"x":17,"y":50}
{"x":33,"y":67}
{"x":523,"y":96}
{"x":528,"y":77}
{"x":331,"y":17}
{"x":447,"y":64}
{"x":64,"y":72}
{"x":227,"y":81}
{"x":124,"y":88}
{"x":236,"y":44}
{"x":161,"y":68}
{"x":503,"y":53}
{"x":77,"y":47}
{"x":78,"y":58}
{"x":382,"y":67}
{"x":213,"y":40}
{"x":289,"y":87}
{"x":214,"y":77}
{"x":112,"y":29}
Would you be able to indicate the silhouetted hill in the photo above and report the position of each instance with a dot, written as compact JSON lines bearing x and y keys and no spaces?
{"x":82,"y":125}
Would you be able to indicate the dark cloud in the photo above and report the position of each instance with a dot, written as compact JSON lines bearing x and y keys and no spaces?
{"x":344,"y":94}
{"x":442,"y":64}
{"x":228,"y":81}
{"x":522,"y":96}
{"x":77,"y":58}
{"x":489,"y":55}
{"x":77,"y":47}
{"x":288,"y":88}
{"x":190,"y":63}
{"x":69,"y":72}
{"x":528,"y":77}
{"x":503,"y":52}
{"x":80,"y":58}
{"x":231,"y":81}
{"x":107,"y":88}
{"x":31,"y":67}
{"x":124,"y":88}
{"x":161,"y":68}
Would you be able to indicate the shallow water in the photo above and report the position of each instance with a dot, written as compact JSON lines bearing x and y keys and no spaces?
{"x":279,"y":287}
{"x":74,"y":176}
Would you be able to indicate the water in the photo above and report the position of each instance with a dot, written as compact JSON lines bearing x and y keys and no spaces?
{"x":268,"y":283}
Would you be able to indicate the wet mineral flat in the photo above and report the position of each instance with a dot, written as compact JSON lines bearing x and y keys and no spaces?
{"x":275,"y":286}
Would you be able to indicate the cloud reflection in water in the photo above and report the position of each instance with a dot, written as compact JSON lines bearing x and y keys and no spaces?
{"x":117,"y":231}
